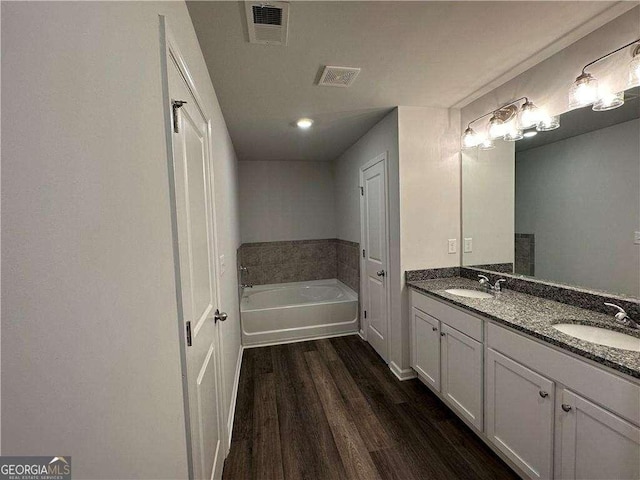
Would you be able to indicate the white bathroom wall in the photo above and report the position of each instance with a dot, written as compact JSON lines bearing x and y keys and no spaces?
{"x":429,"y":200}
{"x":488,"y":197}
{"x":581,"y":199}
{"x":547,"y":83}
{"x":286,"y":201}
{"x":90,"y":357}
{"x":383,"y":137}
{"x":424,"y":201}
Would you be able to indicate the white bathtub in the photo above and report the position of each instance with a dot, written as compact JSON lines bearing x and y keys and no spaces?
{"x":286,"y":312}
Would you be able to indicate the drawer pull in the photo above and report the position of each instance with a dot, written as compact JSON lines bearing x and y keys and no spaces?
{"x":442,"y":334}
{"x":543,"y":394}
{"x":435,"y":329}
{"x":566,"y":407}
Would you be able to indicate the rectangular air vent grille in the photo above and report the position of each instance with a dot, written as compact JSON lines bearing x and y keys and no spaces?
{"x":338,"y":76}
{"x":264,"y":15}
{"x":267,"y":22}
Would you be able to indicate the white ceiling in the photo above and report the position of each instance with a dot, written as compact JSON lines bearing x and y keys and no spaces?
{"x":411,"y":53}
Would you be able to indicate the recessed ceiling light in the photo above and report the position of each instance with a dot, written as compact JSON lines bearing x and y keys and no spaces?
{"x":530,"y":133}
{"x":304,"y":123}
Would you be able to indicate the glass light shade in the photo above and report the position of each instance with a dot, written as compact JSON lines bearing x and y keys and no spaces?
{"x":529,"y":133}
{"x":528,"y":116}
{"x":486,"y":144}
{"x":496,"y":128}
{"x":547,"y":123}
{"x":583,"y":92}
{"x":512,"y":132}
{"x":608,"y":101}
{"x":470,"y":139}
{"x":634,"y":71}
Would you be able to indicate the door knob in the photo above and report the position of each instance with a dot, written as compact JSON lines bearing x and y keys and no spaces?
{"x":219,"y":316}
{"x":543,"y":394}
{"x":566,"y":407}
{"x":381,"y":273}
{"x":435,"y":329}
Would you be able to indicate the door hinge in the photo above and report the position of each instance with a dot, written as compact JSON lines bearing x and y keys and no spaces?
{"x":175,"y":105}
{"x":365,"y":314}
{"x":188,"y":334}
{"x":363,"y":256}
{"x":362,"y":191}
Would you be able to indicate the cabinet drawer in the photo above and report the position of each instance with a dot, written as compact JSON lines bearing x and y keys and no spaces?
{"x":463,"y":322}
{"x":615,"y":393}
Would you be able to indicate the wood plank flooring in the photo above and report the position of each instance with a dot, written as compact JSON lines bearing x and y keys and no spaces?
{"x":331,"y":409}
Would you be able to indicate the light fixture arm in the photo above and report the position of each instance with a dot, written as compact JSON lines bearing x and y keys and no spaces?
{"x":611,"y":53}
{"x":493,"y":112}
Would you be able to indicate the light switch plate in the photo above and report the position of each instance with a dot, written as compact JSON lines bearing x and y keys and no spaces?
{"x":453,"y":247}
{"x":468,"y":245}
{"x":636,"y":238}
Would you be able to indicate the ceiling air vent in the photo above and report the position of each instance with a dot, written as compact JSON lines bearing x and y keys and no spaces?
{"x":338,"y":76}
{"x":267,"y":22}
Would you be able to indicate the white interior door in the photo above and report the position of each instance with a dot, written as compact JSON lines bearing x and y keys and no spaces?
{"x":373,"y":221}
{"x":196,"y":249}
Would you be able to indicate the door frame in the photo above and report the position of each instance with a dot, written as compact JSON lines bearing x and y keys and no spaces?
{"x":383,"y":157}
{"x":170,"y":52}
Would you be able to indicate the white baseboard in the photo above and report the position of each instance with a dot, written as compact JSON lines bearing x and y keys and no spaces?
{"x":361,"y":334}
{"x":402,"y":374}
{"x":234,"y":398}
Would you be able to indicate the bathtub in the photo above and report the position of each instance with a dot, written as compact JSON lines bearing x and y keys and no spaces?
{"x":287,"y":312}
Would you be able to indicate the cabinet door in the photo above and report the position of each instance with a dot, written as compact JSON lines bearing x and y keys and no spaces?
{"x":519,"y":414}
{"x":462,"y":374}
{"x":425,"y":356}
{"x":595,"y":443}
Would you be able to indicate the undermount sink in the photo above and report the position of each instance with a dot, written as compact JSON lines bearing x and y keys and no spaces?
{"x":468,"y":293}
{"x":601,"y":336}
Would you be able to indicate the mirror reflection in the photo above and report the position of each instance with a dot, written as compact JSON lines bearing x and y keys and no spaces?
{"x":560,"y":205}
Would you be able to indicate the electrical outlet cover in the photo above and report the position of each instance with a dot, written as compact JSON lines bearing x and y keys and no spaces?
{"x":452,"y":245}
{"x":468,"y":245}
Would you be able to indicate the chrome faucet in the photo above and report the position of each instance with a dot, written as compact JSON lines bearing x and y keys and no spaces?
{"x":246,"y":285}
{"x":484,"y":281}
{"x":622,"y":318}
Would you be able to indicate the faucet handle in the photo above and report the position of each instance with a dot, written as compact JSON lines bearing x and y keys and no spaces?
{"x":497,"y":287}
{"x":483,"y":279}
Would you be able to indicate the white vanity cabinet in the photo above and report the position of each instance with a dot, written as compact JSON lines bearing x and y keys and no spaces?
{"x":519,"y":414}
{"x":446,"y":359}
{"x":549,"y":413}
{"x":593,"y":442}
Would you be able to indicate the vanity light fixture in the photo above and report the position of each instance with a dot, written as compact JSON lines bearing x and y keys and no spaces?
{"x":584,"y":90}
{"x":530,"y":133}
{"x":608,"y":101}
{"x":512,"y":132}
{"x":507,"y":122}
{"x":486,"y":144}
{"x":634,"y":68}
{"x":304,"y":123}
{"x":548,"y":123}
{"x":529,"y":115}
{"x":470,"y":138}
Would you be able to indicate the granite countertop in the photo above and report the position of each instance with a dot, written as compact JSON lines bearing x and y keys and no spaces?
{"x":535,"y":316}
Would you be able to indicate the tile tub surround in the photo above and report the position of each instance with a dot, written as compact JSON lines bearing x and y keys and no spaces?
{"x":536,"y":316}
{"x":348,"y":263}
{"x":300,"y":261}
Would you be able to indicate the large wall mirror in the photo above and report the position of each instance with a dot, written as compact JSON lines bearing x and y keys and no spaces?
{"x":561,"y":205}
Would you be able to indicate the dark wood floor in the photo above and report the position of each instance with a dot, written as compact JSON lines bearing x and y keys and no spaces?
{"x":332,"y":409}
